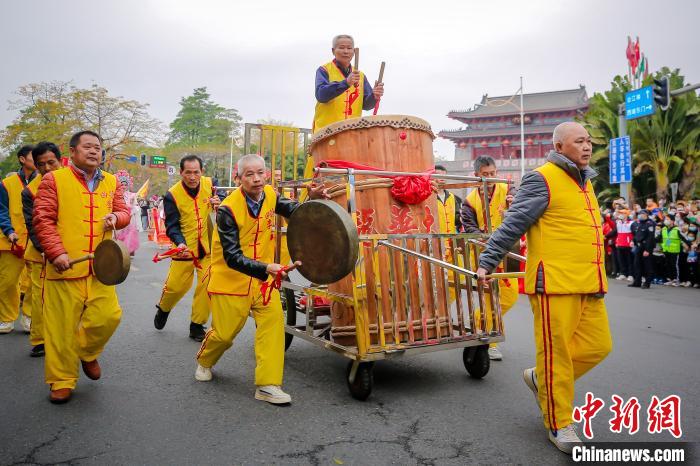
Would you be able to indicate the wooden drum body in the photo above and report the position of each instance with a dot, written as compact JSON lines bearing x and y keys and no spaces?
{"x":392,"y":143}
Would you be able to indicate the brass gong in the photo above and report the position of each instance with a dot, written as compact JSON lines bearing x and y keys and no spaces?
{"x":323,"y":237}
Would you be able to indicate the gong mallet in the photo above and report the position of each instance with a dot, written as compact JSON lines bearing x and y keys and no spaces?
{"x":111,"y":262}
{"x":379,"y":81}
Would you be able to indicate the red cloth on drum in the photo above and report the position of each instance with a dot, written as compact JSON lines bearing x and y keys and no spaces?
{"x":409,"y":189}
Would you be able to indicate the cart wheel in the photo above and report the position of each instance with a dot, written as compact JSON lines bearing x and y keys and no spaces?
{"x":361,"y":388}
{"x":476,"y":361}
{"x":290,"y":310}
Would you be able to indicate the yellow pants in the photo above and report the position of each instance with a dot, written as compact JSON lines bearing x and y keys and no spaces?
{"x":80,"y":316}
{"x":25,"y":288}
{"x":33,"y":298}
{"x":179,"y":282}
{"x":11,"y":268}
{"x":229,"y":314}
{"x":572,"y":336}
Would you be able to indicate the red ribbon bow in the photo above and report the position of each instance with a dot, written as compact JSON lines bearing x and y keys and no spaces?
{"x":407,"y":189}
{"x":174,"y":251}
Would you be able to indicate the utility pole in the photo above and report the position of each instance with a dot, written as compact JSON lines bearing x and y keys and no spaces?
{"x":522,"y":133}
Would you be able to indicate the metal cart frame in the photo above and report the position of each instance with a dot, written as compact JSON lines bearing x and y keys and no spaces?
{"x":445,"y":316}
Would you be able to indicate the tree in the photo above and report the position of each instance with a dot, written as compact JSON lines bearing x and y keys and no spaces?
{"x":54,"y":111}
{"x":664,"y":145}
{"x":46,"y":113}
{"x":120,"y":122}
{"x":667,"y":140}
{"x":200,"y":121}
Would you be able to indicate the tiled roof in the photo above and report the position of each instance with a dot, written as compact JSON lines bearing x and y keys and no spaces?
{"x":514,"y":130}
{"x":537,"y":102}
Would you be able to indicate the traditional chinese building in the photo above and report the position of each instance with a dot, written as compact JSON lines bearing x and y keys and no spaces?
{"x":492,"y":128}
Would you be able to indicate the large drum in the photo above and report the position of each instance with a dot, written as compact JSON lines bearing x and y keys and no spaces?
{"x":391,"y":143}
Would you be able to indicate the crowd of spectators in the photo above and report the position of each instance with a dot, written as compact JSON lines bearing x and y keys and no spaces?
{"x":653,"y":244}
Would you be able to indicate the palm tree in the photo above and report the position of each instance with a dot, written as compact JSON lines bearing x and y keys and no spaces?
{"x":664,"y":146}
{"x":666,"y":141}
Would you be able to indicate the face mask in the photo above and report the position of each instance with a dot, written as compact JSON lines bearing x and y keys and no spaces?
{"x":691,"y":238}
{"x":672,"y":212}
{"x":693,"y":228}
{"x":641,"y":217}
{"x":667,"y":222}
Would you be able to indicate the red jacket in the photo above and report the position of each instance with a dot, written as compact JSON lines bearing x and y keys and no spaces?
{"x":46,"y":215}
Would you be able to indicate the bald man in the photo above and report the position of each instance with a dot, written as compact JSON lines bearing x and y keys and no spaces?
{"x":564,"y":276}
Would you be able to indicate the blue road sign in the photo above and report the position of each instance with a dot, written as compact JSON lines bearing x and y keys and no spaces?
{"x":620,"y":159}
{"x":132,"y":159}
{"x":639,"y":103}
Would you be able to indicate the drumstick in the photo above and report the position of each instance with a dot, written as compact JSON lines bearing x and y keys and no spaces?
{"x":357,"y":59}
{"x":379,"y":81}
{"x":82,"y":259}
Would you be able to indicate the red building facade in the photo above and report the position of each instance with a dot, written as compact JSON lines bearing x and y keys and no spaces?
{"x":493,"y":128}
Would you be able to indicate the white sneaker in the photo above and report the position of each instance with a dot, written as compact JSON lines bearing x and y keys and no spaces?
{"x":272,"y":394}
{"x":530,"y":379}
{"x":495,"y":354}
{"x":668,"y":283}
{"x":7,"y":327}
{"x":565,"y":439}
{"x":26,"y":323}
{"x":675,"y":283}
{"x":620,"y":277}
{"x":203,"y":374}
{"x":686,"y":284}
{"x":630,"y":278}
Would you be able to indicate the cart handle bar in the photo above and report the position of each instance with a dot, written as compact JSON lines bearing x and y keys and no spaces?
{"x":447,"y":265}
{"x":347,"y":171}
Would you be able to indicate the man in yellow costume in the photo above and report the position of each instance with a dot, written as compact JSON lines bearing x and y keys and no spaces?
{"x":341,"y":91}
{"x":565,"y":280}
{"x":243,"y":251}
{"x":13,"y":241}
{"x":75,"y":209}
{"x":47,"y":158}
{"x":473,"y":216}
{"x":448,"y":207}
{"x":187,"y":207}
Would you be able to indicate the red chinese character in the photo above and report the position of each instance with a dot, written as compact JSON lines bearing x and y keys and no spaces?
{"x":428,"y":220}
{"x":365,"y":221}
{"x":587,"y":412}
{"x":665,"y":415}
{"x":626,"y":416}
{"x":401,"y":220}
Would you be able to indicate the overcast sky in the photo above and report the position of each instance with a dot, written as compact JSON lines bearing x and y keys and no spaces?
{"x":260,"y":57}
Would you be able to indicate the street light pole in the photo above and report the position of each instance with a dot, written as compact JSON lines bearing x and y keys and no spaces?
{"x":522,"y":132}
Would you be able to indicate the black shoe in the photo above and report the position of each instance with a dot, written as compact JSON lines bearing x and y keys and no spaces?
{"x":197,"y":331}
{"x":37,"y":351}
{"x":160,"y":319}
{"x":646,"y":286}
{"x":633,"y":285}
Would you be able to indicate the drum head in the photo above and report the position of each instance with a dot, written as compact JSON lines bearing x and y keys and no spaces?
{"x":112,"y":262}
{"x":322,"y":235}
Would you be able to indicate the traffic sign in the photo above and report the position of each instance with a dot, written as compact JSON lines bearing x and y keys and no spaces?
{"x":157,"y":161}
{"x":620,"y":159}
{"x":639,"y":103}
{"x":171,"y":170}
{"x":132,"y":159}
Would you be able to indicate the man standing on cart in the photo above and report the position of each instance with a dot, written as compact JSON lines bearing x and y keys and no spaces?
{"x":566,"y":282}
{"x":473,"y":217}
{"x":243,"y":251}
